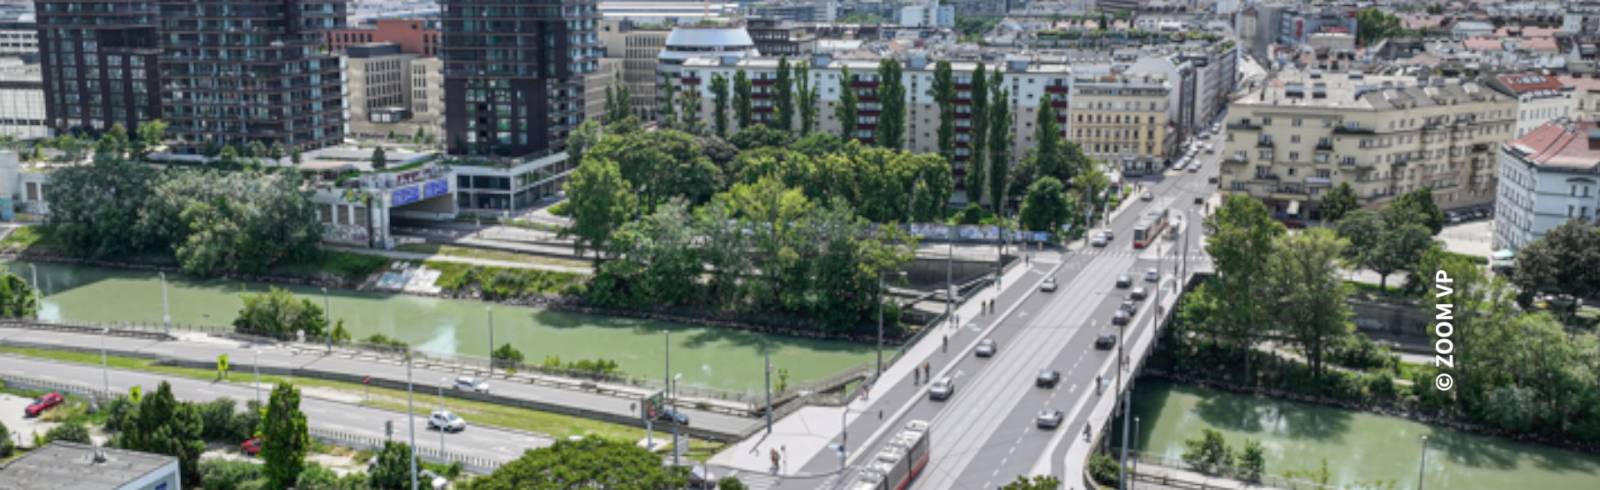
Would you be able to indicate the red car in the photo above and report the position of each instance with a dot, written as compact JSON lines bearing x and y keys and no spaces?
{"x":251,"y":446}
{"x":46,"y":402}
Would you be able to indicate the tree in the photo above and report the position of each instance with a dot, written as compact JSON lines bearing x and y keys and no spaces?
{"x":619,"y":101}
{"x":1310,"y":296}
{"x":223,"y":474}
{"x":741,"y":98}
{"x":1049,"y":149}
{"x":730,"y":483}
{"x":783,"y":97}
{"x":284,"y":437}
{"x":1209,"y":454}
{"x":1241,"y":233}
{"x":219,"y":221}
{"x":806,"y":98}
{"x":506,"y":356}
{"x":392,"y":471}
{"x":70,"y":431}
{"x":151,"y":133}
{"x":1036,"y":482}
{"x":17,"y":298}
{"x":719,"y":104}
{"x":1339,"y":202}
{"x":278,"y":314}
{"x":1417,"y":207}
{"x":1252,"y":461}
{"x":1384,"y":243}
{"x":1373,"y":25}
{"x":846,"y":111}
{"x":689,"y":111}
{"x":1046,"y":207}
{"x":379,"y":160}
{"x":92,"y":206}
{"x":599,"y":201}
{"x":943,"y":91}
{"x":759,"y":136}
{"x":162,"y":425}
{"x":590,"y":462}
{"x":977,"y":171}
{"x":7,"y":444}
{"x":890,"y":131}
{"x":999,"y":139}
{"x":1562,"y":263}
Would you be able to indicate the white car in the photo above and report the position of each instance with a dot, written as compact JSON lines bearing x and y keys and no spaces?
{"x":1147,"y":196}
{"x":447,"y":421}
{"x":1049,"y":419}
{"x":942,"y":389}
{"x":1099,"y":240}
{"x":473,"y":384}
{"x":1048,"y":286}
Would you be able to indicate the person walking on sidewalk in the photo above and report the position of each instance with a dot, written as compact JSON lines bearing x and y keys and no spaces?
{"x":946,"y":347}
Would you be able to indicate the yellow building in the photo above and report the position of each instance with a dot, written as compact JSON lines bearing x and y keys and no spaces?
{"x":1124,"y":120}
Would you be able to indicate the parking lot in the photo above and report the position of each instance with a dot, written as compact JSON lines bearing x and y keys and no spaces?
{"x":22,"y":429}
{"x":1469,"y":237}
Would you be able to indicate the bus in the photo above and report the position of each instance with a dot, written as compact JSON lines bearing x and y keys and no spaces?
{"x":1149,"y":228}
{"x":900,"y":461}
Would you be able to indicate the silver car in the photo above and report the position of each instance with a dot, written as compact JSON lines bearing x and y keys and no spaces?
{"x":1049,"y":419}
{"x":1048,"y":286}
{"x":942,"y":389}
{"x":472,"y":384}
{"x":987,"y":348}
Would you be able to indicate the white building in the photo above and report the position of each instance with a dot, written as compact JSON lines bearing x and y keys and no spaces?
{"x":1548,"y":177}
{"x":22,"y":113}
{"x":1540,"y":98}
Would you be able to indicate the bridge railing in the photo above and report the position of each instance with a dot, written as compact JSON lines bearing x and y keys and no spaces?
{"x":475,"y":464}
{"x":1200,"y":479}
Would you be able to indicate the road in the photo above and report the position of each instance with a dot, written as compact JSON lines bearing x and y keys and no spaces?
{"x":985,"y":435}
{"x":476,"y":441}
{"x":242,"y":355}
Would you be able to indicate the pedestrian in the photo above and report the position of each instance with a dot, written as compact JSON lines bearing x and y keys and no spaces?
{"x":865,"y":389}
{"x":916,"y":378}
{"x":946,"y":343}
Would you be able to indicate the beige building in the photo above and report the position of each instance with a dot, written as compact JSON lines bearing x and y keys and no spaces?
{"x":393,"y":93}
{"x":1124,"y":120}
{"x":1289,"y":143}
{"x":635,"y":49}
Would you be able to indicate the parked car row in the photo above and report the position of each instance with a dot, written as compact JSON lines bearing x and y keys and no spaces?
{"x":1465,"y":215}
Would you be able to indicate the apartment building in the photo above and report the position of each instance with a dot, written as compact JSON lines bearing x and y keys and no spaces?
{"x":22,"y":107}
{"x":635,"y":48}
{"x":1027,"y":80}
{"x":1540,"y":98}
{"x":1548,"y":177}
{"x":1292,"y":140}
{"x":1125,"y":119}
{"x":101,"y":62}
{"x":392,"y":93}
{"x":19,"y":38}
{"x":414,"y":36}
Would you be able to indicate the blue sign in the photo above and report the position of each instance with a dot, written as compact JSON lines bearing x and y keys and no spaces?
{"x":435,"y":188}
{"x":404,"y":196}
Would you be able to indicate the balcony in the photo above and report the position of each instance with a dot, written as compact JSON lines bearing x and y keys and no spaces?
{"x":1234,"y":160}
{"x":1264,"y":143}
{"x":1244,"y":126}
{"x":1353,"y":130}
{"x":1324,"y":146}
{"x":1267,"y":177}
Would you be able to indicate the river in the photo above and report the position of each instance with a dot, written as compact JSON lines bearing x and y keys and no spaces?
{"x":707,"y":357}
{"x":1361,"y":448}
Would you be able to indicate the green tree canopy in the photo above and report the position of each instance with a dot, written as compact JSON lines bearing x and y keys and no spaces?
{"x":1309,"y":293}
{"x":162,"y":425}
{"x":1565,"y":262}
{"x":585,"y":463}
{"x":277,"y":313}
{"x":1046,"y":206}
{"x":848,"y":108}
{"x":393,"y":468}
{"x":17,"y":298}
{"x":719,"y":104}
{"x":891,"y":126}
{"x":285,"y":438}
{"x":741,"y":98}
{"x":599,"y":201}
{"x":1339,"y":202}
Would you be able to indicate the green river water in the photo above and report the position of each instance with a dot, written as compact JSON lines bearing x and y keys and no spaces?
{"x":1361,"y":448}
{"x":707,"y":357}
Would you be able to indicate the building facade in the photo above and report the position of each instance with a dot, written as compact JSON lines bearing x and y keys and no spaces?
{"x":19,"y":38}
{"x":378,"y":84}
{"x":22,"y":107}
{"x":514,"y":74}
{"x":414,"y":36}
{"x":635,"y":49}
{"x":773,"y":37}
{"x":243,"y":72}
{"x":101,"y":63}
{"x":1548,"y":177}
{"x":1540,"y":98}
{"x":1291,"y":141}
{"x":1125,"y":120}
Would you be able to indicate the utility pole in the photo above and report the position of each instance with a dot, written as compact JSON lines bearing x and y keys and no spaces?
{"x":411,"y":418}
{"x":38,"y":300}
{"x":677,"y":449}
{"x":949,"y":273}
{"x":255,"y":365}
{"x":879,"y":372}
{"x":105,"y":371}
{"x":490,"y":311}
{"x":327,"y":318}
{"x":442,"y":381}
{"x":1135,"y":470}
{"x":766,"y":355}
{"x":1422,"y":463}
{"x":166,"y":311}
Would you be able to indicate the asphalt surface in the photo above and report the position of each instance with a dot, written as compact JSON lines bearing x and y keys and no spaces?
{"x":476,"y":441}
{"x":242,"y":355}
{"x":985,"y":435}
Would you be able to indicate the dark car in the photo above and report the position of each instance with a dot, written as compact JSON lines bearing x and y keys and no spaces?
{"x":673,"y":415}
{"x":251,"y":446}
{"x":1128,"y":306}
{"x":1138,"y":294}
{"x":46,"y":402}
{"x":1121,"y":317}
{"x":1047,"y":378}
{"x":1123,"y":281}
{"x":1105,"y":341}
{"x":986,"y":348}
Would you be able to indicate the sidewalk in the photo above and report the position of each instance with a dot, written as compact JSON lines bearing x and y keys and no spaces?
{"x":1174,"y":477}
{"x":809,"y":432}
{"x":419,"y":257}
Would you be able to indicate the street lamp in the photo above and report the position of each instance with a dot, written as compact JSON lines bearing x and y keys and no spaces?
{"x":411,"y":418}
{"x":1422,"y":463}
{"x":255,"y":365}
{"x":442,"y":381}
{"x":105,"y":372}
{"x":490,"y":311}
{"x":676,"y":449}
{"x":38,"y":301}
{"x":902,"y":275}
{"x":327,"y":321}
{"x":166,"y":311}
{"x":844,"y":436}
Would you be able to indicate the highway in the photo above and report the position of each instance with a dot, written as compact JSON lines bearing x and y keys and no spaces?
{"x":476,"y":441}
{"x":985,"y":435}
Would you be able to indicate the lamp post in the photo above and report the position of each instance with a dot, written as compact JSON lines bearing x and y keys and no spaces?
{"x":844,"y":436}
{"x":949,"y":273}
{"x":489,"y":310}
{"x":255,"y":365}
{"x":411,"y":418}
{"x":676,"y":449}
{"x":166,"y":311}
{"x":902,"y":275}
{"x":327,"y":321}
{"x":442,"y":381}
{"x":766,"y":355}
{"x":105,"y":371}
{"x":1135,"y":470}
{"x":38,"y":301}
{"x":1422,"y":463}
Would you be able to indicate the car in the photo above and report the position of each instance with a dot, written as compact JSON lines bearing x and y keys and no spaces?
{"x":1047,"y":378}
{"x":46,"y":402}
{"x":1049,"y":285}
{"x":473,"y":384}
{"x":1049,"y":419}
{"x":251,"y":446}
{"x":670,"y":414}
{"x":1105,"y":341}
{"x":447,"y":421}
{"x":1194,"y":168}
{"x":1147,"y":196}
{"x":1110,"y":235}
{"x":1211,"y":180}
{"x":1121,"y":318}
{"x":1098,"y":240}
{"x":1129,"y":306}
{"x":986,"y":348}
{"x":1138,"y":294}
{"x":1210,"y":150}
{"x":1151,"y":275}
{"x":1123,"y":281}
{"x":942,"y":389}
{"x":1198,"y":200}
{"x":701,"y":478}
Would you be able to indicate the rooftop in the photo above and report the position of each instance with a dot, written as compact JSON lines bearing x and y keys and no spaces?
{"x":66,"y":465}
{"x":1354,"y":90}
{"x":1574,"y":145}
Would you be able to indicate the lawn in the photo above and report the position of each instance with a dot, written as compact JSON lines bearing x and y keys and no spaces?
{"x":486,"y":254}
{"x":30,"y":238}
{"x":547,"y":423}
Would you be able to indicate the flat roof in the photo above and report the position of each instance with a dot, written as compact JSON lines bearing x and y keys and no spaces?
{"x":68,"y":465}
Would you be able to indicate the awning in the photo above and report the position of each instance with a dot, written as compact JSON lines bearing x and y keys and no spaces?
{"x":1294,"y":207}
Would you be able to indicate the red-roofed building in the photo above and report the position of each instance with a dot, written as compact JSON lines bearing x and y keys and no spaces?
{"x":415,"y":36}
{"x":1586,"y":91}
{"x":1540,"y":98}
{"x":1547,"y":177}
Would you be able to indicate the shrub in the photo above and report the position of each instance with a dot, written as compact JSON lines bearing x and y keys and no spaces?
{"x":1209,"y":453}
{"x":73,"y":431}
{"x":730,"y":483}
{"x":1252,"y":461}
{"x":221,"y":474}
{"x":217,"y":421}
{"x":7,"y":445}
{"x":1103,"y":468}
{"x":506,"y":356}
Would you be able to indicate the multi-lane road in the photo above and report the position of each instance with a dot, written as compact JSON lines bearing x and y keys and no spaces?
{"x":985,"y":435}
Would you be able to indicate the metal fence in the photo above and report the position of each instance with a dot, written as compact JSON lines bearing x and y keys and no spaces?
{"x":475,"y":464}
{"x":1224,"y":473}
{"x":24,"y":382}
